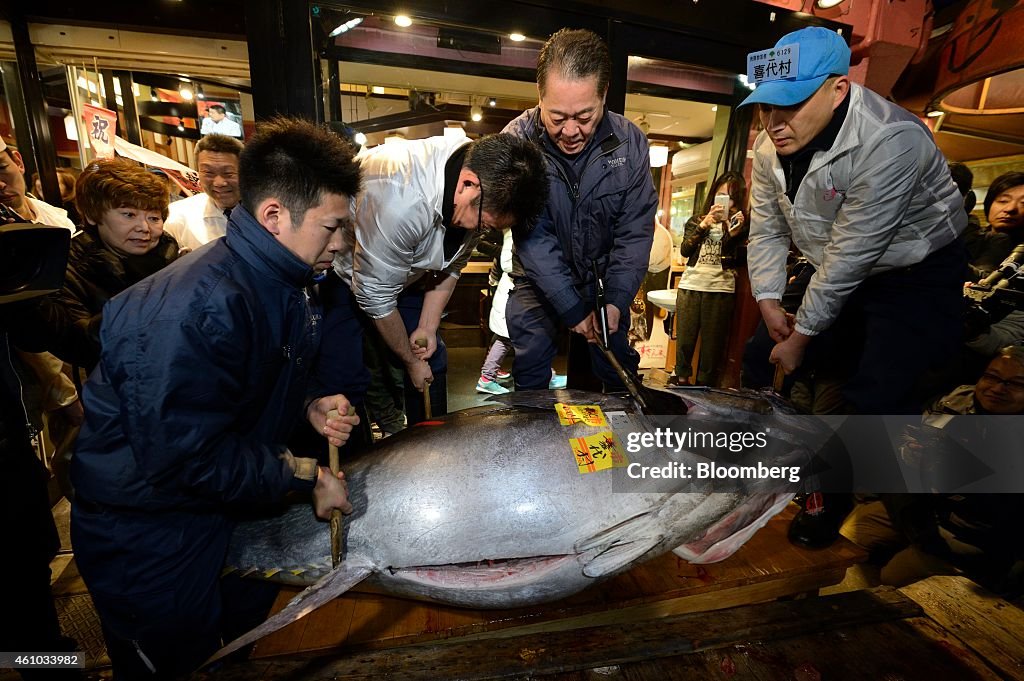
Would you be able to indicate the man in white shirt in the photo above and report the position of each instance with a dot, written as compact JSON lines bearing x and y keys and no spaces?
{"x":13,"y":193}
{"x":217,"y":122}
{"x":202,"y":218}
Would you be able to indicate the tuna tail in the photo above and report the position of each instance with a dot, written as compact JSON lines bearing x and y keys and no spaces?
{"x":330,"y":586}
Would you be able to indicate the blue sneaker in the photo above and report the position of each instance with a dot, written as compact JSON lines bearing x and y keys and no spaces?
{"x":486,"y":385}
{"x":557,"y":382}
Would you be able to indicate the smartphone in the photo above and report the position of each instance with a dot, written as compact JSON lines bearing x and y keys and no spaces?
{"x":723,"y":200}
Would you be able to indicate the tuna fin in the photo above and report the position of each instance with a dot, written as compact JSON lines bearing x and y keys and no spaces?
{"x":330,"y":586}
{"x":618,"y":556}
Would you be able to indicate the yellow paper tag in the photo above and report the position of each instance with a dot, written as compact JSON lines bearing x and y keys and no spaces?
{"x":587,"y":414}
{"x":598,"y":452}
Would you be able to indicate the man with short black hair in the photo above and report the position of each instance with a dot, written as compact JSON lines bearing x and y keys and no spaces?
{"x":424,"y":206}
{"x":202,"y":377}
{"x":203,"y":217}
{"x":600,"y":213}
{"x":13,"y":193}
{"x":217,"y":122}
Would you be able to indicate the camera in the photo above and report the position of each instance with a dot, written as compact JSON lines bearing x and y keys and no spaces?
{"x":997,"y":295}
{"x":33,"y":259}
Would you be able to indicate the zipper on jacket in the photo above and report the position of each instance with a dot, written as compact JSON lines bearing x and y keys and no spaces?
{"x":574,"y":187}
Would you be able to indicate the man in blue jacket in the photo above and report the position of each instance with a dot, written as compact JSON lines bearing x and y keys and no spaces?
{"x":600,"y":211}
{"x":202,"y":376}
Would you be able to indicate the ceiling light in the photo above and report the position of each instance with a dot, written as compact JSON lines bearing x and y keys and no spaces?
{"x":377,"y":90}
{"x":934,"y":113}
{"x":516,"y":37}
{"x":403,"y":20}
{"x":714,"y":107}
{"x":152,"y":94}
{"x":186,"y":92}
{"x":476,"y":114}
{"x":199,"y":92}
{"x":348,"y":26}
{"x":826,"y":4}
{"x":360,"y":138}
{"x":492,"y":102}
{"x":181,"y":126}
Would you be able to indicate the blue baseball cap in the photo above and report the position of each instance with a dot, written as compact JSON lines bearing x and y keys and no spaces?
{"x":823,"y":53}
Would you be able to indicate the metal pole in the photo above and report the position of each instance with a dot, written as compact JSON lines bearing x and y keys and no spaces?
{"x":35,"y":107}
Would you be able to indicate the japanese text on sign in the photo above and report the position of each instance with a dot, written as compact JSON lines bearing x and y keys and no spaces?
{"x":587,"y":414}
{"x":598,"y":452}
{"x":777,"y":63}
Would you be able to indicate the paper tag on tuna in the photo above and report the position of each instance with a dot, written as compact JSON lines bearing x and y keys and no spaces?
{"x":598,"y":452}
{"x":587,"y":414}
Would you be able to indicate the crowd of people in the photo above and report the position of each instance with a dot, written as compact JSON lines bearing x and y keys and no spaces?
{"x":223,"y":335}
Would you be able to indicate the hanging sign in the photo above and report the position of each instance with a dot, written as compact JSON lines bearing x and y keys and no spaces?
{"x":100,"y":126}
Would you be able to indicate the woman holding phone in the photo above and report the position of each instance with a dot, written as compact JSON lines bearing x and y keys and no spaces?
{"x":704,"y":301}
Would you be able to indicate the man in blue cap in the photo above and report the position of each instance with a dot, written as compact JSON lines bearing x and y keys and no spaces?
{"x":859,"y":187}
{"x":857,"y":184}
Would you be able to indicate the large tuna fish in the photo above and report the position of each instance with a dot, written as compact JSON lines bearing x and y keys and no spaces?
{"x":488,"y":508}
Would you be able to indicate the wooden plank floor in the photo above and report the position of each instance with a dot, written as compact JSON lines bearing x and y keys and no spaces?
{"x":766,"y":568}
{"x":879,"y":634}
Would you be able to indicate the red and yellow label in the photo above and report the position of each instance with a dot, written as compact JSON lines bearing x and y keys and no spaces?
{"x":587,"y":414}
{"x":598,"y":452}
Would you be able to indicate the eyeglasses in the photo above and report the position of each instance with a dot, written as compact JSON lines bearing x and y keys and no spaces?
{"x":480,"y":214}
{"x":1015,"y":384}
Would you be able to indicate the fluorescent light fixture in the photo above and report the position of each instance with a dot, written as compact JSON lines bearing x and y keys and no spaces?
{"x":516,"y":37}
{"x":377,"y":90}
{"x":346,"y":27}
{"x":659,"y":155}
{"x":70,"y":129}
{"x":403,"y":20}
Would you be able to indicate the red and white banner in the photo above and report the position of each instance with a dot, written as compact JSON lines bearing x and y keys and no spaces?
{"x":182,"y":175}
{"x":100,"y":126}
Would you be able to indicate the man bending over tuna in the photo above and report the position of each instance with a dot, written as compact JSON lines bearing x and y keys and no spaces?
{"x":424,"y":207}
{"x":202,"y":376}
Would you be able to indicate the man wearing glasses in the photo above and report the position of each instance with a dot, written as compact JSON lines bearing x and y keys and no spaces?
{"x":424,"y":206}
{"x":204,"y":217}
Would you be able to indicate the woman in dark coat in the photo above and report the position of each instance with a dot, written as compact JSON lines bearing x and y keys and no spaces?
{"x":704,"y":301}
{"x":123,"y":207}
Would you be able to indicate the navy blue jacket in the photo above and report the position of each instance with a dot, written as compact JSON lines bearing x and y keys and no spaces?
{"x":201,"y":378}
{"x":607,"y":216}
